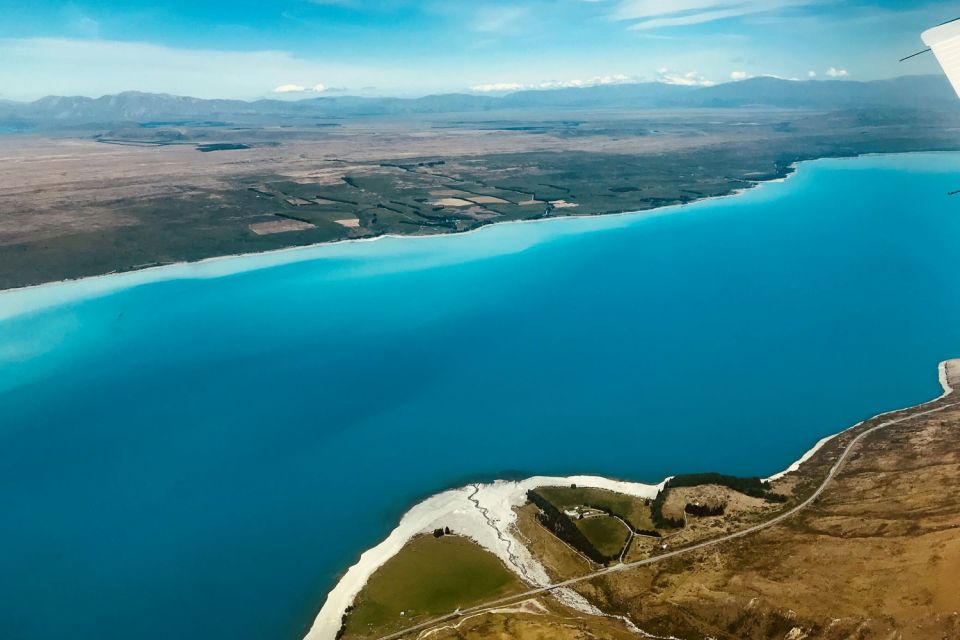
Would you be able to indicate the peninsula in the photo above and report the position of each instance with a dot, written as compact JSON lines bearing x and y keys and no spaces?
{"x":695,"y":556}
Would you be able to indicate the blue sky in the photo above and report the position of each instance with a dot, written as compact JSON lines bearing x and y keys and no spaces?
{"x":250,"y":49}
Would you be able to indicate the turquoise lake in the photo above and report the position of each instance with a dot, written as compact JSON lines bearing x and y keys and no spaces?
{"x":198,"y":452}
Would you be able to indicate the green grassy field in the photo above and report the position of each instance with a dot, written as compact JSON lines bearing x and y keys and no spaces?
{"x":607,"y":534}
{"x":634,"y":510}
{"x":430,"y":576}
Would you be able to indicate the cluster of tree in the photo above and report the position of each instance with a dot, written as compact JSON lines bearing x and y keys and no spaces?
{"x":705,"y":510}
{"x":656,"y":512}
{"x":566,"y":529}
{"x":439,"y":533}
{"x":753,"y":487}
{"x":343,"y":622}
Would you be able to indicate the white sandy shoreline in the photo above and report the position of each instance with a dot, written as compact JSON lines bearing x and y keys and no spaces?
{"x":22,"y":300}
{"x":346,"y":241}
{"x":37,"y":297}
{"x":944,"y":384}
{"x":32,"y":297}
{"x":485,"y":513}
{"x":40,"y":296}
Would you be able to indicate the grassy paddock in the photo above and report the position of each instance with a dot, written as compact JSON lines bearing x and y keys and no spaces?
{"x":607,"y":534}
{"x":634,"y":510}
{"x":430,"y":576}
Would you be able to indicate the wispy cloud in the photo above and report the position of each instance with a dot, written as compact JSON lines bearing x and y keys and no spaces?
{"x":499,"y":19}
{"x":833,"y":72}
{"x":80,"y":23}
{"x":656,"y":14}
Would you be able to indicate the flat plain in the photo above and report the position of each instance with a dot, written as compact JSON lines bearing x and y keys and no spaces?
{"x":87,"y":201}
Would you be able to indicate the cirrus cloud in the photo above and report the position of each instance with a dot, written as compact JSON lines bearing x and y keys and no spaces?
{"x":657,"y":14}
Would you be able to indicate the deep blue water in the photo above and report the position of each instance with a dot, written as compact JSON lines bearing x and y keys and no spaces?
{"x":200,"y":457}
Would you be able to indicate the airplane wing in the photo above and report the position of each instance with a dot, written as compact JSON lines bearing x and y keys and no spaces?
{"x":944,"y":41}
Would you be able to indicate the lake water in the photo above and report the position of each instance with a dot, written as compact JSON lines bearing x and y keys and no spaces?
{"x":197,"y":452}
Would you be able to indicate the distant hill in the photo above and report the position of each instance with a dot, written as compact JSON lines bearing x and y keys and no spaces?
{"x":932,"y":91}
{"x":906,"y":92}
{"x":647,"y":95}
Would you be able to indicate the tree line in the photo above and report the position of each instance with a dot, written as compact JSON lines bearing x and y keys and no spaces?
{"x":566,"y":529}
{"x":752,"y":486}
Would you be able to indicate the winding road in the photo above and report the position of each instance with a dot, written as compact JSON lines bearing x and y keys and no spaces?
{"x":696,"y":547}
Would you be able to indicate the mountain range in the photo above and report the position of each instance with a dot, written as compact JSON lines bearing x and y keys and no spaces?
{"x":933,"y":92}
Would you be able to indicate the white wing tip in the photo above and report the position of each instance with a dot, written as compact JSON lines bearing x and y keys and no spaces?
{"x":944,"y":41}
{"x":940,"y":34}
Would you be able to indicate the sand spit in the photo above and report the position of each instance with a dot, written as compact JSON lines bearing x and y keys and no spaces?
{"x":484,"y":512}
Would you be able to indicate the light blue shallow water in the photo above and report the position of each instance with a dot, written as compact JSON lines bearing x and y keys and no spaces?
{"x":199,"y":458}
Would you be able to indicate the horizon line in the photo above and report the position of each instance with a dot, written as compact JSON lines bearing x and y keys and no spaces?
{"x":496,"y":95}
